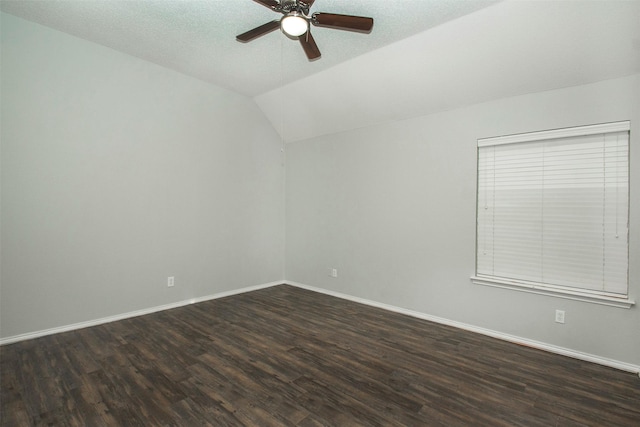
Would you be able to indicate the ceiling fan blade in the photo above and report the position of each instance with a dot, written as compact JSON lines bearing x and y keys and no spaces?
{"x":271,"y":4}
{"x":342,"y":22}
{"x":309,"y":45}
{"x":258,"y":31}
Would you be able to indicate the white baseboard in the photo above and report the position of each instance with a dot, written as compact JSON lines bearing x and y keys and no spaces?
{"x":488,"y":332}
{"x":95,"y":322}
{"x":495,"y":334}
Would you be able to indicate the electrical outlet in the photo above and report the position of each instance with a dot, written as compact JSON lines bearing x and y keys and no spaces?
{"x":170,"y":281}
{"x":559,"y":316}
{"x":334,"y":272}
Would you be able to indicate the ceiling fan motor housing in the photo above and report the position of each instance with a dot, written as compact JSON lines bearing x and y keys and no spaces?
{"x":293,"y":6}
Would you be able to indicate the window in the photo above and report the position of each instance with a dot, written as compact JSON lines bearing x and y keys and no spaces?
{"x":552,"y":213}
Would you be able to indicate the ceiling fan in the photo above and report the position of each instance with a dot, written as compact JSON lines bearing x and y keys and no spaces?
{"x":296,"y":19}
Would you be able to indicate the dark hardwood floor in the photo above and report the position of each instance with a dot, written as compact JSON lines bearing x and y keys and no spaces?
{"x":287,"y":356}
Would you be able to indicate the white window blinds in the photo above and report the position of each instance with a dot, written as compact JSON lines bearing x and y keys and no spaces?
{"x":553,"y":209}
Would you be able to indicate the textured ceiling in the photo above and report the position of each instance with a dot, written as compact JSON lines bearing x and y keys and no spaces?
{"x":197,"y":38}
{"x":508,"y":49}
{"x":422,"y":57}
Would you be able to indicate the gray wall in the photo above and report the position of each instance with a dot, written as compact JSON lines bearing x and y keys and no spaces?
{"x":117,"y":173}
{"x":392,"y":207}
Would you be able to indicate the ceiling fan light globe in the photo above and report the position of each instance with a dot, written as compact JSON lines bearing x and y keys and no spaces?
{"x":294,"y":24}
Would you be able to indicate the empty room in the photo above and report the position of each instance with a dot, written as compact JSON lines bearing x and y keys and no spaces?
{"x":320,"y":213}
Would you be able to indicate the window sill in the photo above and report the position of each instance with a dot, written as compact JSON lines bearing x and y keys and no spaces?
{"x":558,"y":293}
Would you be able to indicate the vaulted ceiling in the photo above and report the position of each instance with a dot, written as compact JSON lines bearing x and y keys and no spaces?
{"x":423,"y":56}
{"x":197,"y":37}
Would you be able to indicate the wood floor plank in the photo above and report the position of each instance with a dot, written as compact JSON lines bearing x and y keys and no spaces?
{"x":284,"y":356}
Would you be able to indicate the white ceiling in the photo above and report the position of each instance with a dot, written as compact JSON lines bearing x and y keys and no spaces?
{"x":423,"y":56}
{"x":197,"y":37}
{"x":508,"y":49}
